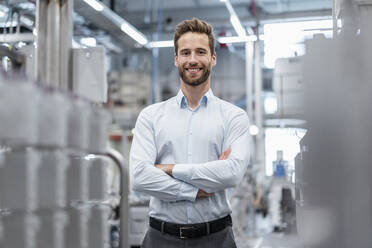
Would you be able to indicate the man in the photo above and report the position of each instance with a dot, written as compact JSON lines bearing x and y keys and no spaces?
{"x":188,"y":150}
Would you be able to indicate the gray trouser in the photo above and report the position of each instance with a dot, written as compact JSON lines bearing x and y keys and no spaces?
{"x":156,"y":239}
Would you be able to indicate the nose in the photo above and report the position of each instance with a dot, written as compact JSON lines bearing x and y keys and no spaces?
{"x":193,"y":60}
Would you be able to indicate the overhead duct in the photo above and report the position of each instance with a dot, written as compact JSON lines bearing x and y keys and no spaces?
{"x":106,"y":19}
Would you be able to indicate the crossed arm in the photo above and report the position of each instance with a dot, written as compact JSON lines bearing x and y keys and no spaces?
{"x":176,"y":182}
{"x":168,"y":169}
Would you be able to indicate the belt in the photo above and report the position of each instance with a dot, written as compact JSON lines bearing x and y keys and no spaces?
{"x":187,"y":231}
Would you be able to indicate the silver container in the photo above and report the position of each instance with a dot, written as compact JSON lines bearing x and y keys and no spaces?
{"x":20,"y":230}
{"x":19,"y":180}
{"x":52,"y":183}
{"x":52,"y":229}
{"x":19,"y":101}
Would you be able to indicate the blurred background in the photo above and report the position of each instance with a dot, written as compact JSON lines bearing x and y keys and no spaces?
{"x":74,"y":76}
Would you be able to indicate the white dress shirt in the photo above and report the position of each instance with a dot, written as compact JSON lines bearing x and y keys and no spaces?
{"x":170,"y":132}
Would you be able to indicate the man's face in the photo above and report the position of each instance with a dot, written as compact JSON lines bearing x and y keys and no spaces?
{"x":194,"y":59}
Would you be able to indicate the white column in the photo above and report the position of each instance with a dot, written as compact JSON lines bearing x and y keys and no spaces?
{"x":249,"y":49}
{"x":260,"y":145}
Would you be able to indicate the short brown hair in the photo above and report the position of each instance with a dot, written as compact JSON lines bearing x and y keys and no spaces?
{"x":197,"y":26}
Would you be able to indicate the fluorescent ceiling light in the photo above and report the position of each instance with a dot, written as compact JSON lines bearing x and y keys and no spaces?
{"x":234,"y":19}
{"x":239,"y":39}
{"x":132,"y":32}
{"x":117,"y":20}
{"x":95,"y":4}
{"x":164,"y":43}
{"x":236,"y":39}
{"x":237,"y":25}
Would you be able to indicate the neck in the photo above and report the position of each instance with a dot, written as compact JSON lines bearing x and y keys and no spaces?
{"x":193,"y":94}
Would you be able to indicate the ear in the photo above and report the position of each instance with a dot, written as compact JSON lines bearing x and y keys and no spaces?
{"x":214,"y":59}
{"x":175,"y":60}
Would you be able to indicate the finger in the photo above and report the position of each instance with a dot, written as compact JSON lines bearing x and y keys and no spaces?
{"x":221,"y":157}
{"x":228,"y":151}
{"x":225,"y":154}
{"x":206,"y":195}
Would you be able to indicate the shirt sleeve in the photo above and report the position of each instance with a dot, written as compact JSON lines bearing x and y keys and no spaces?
{"x":145,"y":176}
{"x":218,"y":175}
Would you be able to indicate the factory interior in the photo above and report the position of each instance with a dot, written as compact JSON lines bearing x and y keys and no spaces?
{"x":76,"y":74}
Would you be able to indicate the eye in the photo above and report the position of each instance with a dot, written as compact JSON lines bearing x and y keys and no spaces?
{"x":202,"y":52}
{"x":185,"y":52}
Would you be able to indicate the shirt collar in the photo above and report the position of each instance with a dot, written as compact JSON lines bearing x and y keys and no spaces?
{"x":181,"y":99}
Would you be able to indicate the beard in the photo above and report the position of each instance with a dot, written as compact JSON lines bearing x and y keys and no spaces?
{"x":194,"y":81}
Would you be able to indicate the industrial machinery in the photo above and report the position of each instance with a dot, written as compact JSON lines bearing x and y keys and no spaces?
{"x":288,"y":87}
{"x":57,"y":173}
{"x":333,"y":172}
{"x":54,"y":169}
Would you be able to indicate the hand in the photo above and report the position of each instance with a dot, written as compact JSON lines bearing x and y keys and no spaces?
{"x":167,"y":168}
{"x":225,"y":154}
{"x":203,"y":194}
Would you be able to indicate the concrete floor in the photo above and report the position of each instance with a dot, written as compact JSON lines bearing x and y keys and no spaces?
{"x":272,"y":240}
{"x":281,"y":240}
{"x":265,"y":238}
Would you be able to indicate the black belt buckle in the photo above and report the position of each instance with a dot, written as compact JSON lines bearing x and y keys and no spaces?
{"x":184,"y":228}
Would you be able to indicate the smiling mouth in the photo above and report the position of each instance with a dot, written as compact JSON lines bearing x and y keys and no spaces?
{"x":193,"y":70}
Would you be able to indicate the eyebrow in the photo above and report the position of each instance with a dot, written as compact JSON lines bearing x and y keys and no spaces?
{"x":198,"y":49}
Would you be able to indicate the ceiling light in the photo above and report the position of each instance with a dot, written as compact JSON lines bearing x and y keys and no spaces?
{"x":164,"y":43}
{"x":135,"y":34}
{"x":95,"y":4}
{"x":237,"y":25}
{"x":234,"y":19}
{"x":236,"y":39}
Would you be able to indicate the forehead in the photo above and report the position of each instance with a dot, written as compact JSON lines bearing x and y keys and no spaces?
{"x":192,"y":40}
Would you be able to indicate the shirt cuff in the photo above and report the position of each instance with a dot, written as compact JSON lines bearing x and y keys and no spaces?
{"x":182,"y":172}
{"x":187,"y":192}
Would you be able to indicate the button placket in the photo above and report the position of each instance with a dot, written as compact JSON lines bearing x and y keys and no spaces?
{"x":189,"y":146}
{"x":189,"y":160}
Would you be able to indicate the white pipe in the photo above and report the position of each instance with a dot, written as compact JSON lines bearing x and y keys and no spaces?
{"x":260,"y":145}
{"x":249,"y":48}
{"x":334,"y":18}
